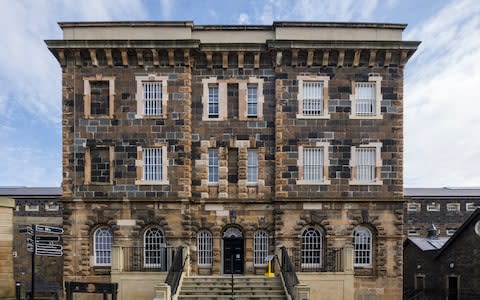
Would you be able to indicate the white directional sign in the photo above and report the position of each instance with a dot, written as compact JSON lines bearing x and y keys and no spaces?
{"x":46,"y":252}
{"x":47,"y":239}
{"x":48,"y":247}
{"x":49,"y":229}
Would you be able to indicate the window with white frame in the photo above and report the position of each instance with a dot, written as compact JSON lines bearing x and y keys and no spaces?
{"x":313,"y":159}
{"x":151,"y":96}
{"x":433,"y":206}
{"x":52,"y":206}
{"x":451,"y":231}
{"x":413,"y":206}
{"x":453,"y":206}
{"x":312,"y":248}
{"x":312,"y":96}
{"x":153,"y":247}
{"x":252,"y":101}
{"x":153,"y":164}
{"x":213,"y":166}
{"x":362,"y":243}
{"x":204,"y":248}
{"x":260,"y":248}
{"x":413,"y":232}
{"x":366,"y":99}
{"x":213,"y":105}
{"x":470,"y":207}
{"x":102,"y":246}
{"x":32,"y":207}
{"x":366,"y":163}
{"x":252,"y":166}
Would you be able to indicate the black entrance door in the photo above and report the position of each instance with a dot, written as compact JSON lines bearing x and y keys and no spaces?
{"x":233,"y":255}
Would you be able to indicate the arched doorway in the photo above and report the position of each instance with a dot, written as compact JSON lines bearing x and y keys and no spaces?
{"x":233,"y":251}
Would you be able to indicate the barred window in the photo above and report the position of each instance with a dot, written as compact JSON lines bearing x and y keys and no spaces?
{"x":252,"y":166}
{"x":312,"y":98}
{"x":213,"y":166}
{"x":313,"y":164}
{"x":213,"y":101}
{"x":362,"y":243}
{"x":365,"y":164}
{"x":152,"y":98}
{"x":312,"y":248}
{"x":153,"y":244}
{"x":102,"y":246}
{"x":152,"y":164}
{"x":252,"y":101}
{"x":260,"y":248}
{"x":204,"y":248}
{"x":365,"y":98}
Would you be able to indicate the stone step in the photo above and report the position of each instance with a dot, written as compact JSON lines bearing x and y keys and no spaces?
{"x":207,"y":297}
{"x":236,"y":292}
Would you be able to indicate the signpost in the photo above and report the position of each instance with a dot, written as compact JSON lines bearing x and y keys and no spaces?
{"x":42,"y":245}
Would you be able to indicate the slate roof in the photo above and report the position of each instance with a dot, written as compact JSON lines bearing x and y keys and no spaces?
{"x":442,"y":192}
{"x":427,"y":244}
{"x":30,"y":191}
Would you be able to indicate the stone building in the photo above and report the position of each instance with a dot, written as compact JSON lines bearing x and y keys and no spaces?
{"x":446,"y":208}
{"x":234,"y":140}
{"x":444,"y":268}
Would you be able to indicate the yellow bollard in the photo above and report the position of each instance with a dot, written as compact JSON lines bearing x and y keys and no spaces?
{"x":269,"y":269}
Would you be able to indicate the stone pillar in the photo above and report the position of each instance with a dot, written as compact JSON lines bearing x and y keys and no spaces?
{"x":348,"y":258}
{"x":117,"y":259}
{"x":7,"y":282}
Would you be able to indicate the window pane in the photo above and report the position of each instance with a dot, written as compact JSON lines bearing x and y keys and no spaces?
{"x":152,"y":164}
{"x":154,"y":248}
{"x":365,"y":165}
{"x":252,"y":101}
{"x":365,"y":98}
{"x":103,"y":247}
{"x":213,"y":101}
{"x":362,"y":247}
{"x":313,"y":98}
{"x":204,"y":248}
{"x":252,"y":166}
{"x":313,"y":164}
{"x":213,"y":166}
{"x":260,"y":248}
{"x":152,"y":98}
{"x":311,"y":249}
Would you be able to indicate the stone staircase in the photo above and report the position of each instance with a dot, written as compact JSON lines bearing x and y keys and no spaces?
{"x":220,"y":288}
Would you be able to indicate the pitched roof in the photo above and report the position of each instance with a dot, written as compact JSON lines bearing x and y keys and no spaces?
{"x":442,"y":192}
{"x":428,"y":244}
{"x":30,"y":191}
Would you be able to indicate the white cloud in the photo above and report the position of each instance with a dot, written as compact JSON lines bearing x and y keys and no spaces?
{"x":243,"y":18}
{"x":167,"y":8}
{"x":442,"y":147}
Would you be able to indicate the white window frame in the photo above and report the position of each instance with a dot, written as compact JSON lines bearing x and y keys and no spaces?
{"x":252,"y":100}
{"x":222,"y":99}
{"x":260,"y":248}
{"x":311,"y":248}
{"x":244,"y":94}
{"x":323,"y":81}
{"x":144,"y":166}
{"x":362,"y":247}
{"x":213,"y":166}
{"x":102,"y":246}
{"x":142,"y":102}
{"x":413,"y":207}
{"x":324,"y":163}
{"x":377,"y":146}
{"x":434,"y":206}
{"x":204,"y":248}
{"x":153,"y":248}
{"x":32,"y":207}
{"x":413,"y":232}
{"x":470,"y":206}
{"x":252,"y":166}
{"x":453,"y":206}
{"x":52,"y":206}
{"x":377,"y":81}
{"x":450,"y":231}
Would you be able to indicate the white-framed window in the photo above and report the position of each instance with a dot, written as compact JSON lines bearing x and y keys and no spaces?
{"x":204,"y":248}
{"x":102,"y":246}
{"x":453,"y":206}
{"x":152,"y":166}
{"x":451,"y":231}
{"x":151,"y":96}
{"x":366,"y":163}
{"x":413,"y":232}
{"x":32,"y":207}
{"x":153,"y":248}
{"x":362,"y":243}
{"x":213,"y":166}
{"x":260,"y":248}
{"x":470,"y":207}
{"x":366,"y":99}
{"x":252,"y":166}
{"x":213,"y":104}
{"x":312,"y":248}
{"x":252,"y":100}
{"x":413,"y":206}
{"x":52,"y":206}
{"x":433,"y":206}
{"x":312,"y":97}
{"x":313,"y":164}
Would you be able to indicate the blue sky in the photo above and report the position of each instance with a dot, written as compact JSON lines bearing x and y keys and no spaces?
{"x":442,"y":143}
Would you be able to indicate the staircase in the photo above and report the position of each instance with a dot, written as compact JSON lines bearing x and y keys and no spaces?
{"x":220,"y":288}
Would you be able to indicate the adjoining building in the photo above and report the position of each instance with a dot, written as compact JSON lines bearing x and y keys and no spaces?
{"x":232,"y":141}
{"x":447,"y":208}
{"x":444,"y":267}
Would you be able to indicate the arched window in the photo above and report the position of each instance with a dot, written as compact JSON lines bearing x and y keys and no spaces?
{"x":154,"y":248}
{"x":102,"y":246}
{"x":260,"y":248}
{"x":362,"y":244}
{"x":204,"y":248}
{"x":311,"y":249}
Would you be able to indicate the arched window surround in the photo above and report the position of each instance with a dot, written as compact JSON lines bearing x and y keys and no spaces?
{"x":312,"y":248}
{"x":102,"y":246}
{"x":362,"y":247}
{"x":153,"y":247}
{"x":260,"y":248}
{"x":204,"y":248}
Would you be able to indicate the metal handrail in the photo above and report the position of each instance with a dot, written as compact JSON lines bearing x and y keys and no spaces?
{"x":175,"y":272}
{"x":288,"y":273}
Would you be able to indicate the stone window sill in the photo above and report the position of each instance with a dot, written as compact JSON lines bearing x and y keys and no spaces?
{"x":307,"y":182}
{"x":373,"y":117}
{"x":151,"y":182}
{"x":324,"y":117}
{"x":355,"y":182}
